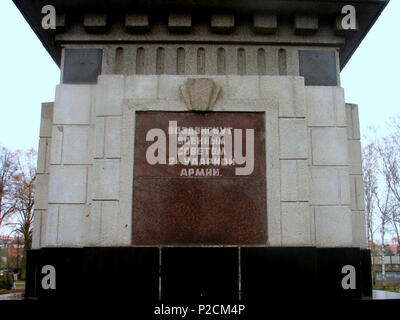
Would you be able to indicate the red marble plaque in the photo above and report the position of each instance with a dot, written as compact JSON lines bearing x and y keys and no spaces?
{"x":199,"y":178}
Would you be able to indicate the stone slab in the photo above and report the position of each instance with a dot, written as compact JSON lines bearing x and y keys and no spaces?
{"x":305,"y":25}
{"x":329,"y":273}
{"x":243,"y":88}
{"x":333,"y":226}
{"x":82,"y":65}
{"x":141,"y":283}
{"x":329,"y":146}
{"x":357,"y":192}
{"x":355,"y":156}
{"x":70,"y":228}
{"x":68,"y":266}
{"x":201,"y":275}
{"x":108,"y":95}
{"x":324,"y":186}
{"x":141,"y":87}
{"x":290,"y":93}
{"x":73,"y":104}
{"x":99,"y":134}
{"x":67,"y":184}
{"x":42,"y":182}
{"x":43,"y":155}
{"x":294,"y":180}
{"x":109,"y":226}
{"x":95,"y":22}
{"x":366,"y":281}
{"x":296,"y":224}
{"x":137,"y":22}
{"x":91,"y":264}
{"x":36,"y":229}
{"x":222,"y":23}
{"x":49,"y":238}
{"x":359,"y":229}
{"x":106,"y":179}
{"x":112,"y":140}
{"x":353,"y":122}
{"x":76,"y":148}
{"x":56,"y":145}
{"x":171,"y":208}
{"x":46,"y":120}
{"x":266,"y":273}
{"x":180,"y":23}
{"x":326,"y":107}
{"x":196,"y":274}
{"x":265,"y":23}
{"x":293,"y":139}
{"x":318,"y":67}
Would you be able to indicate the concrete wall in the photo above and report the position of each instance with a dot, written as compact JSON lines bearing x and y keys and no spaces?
{"x":314,"y":181}
{"x":206,"y":59}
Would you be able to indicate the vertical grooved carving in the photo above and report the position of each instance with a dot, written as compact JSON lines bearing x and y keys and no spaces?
{"x":201,"y":61}
{"x":180,"y":61}
{"x":241,"y":61}
{"x":119,"y":61}
{"x":160,"y":58}
{"x":282,"y":62}
{"x":221,"y":64}
{"x":140,"y":61}
{"x":261,"y":64}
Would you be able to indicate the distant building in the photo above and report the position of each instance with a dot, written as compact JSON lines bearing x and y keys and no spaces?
{"x":394,"y":248}
{"x":11,"y":252}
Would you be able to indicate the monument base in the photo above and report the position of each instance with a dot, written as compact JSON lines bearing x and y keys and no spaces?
{"x":198,"y":274}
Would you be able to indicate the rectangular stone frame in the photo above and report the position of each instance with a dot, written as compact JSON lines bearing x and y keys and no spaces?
{"x":269,"y":105}
{"x":233,"y":223}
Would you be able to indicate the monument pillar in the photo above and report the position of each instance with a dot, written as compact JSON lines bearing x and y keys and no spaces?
{"x":203,"y":150}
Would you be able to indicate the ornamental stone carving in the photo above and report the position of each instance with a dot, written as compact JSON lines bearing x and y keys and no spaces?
{"x":200,"y":94}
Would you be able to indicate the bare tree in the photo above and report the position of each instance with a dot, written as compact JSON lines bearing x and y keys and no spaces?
{"x":389,"y":204}
{"x":381,"y":168}
{"x":23,"y":195}
{"x":390,"y":154}
{"x":384,"y":205}
{"x":370,"y":170}
{"x":7,"y":169}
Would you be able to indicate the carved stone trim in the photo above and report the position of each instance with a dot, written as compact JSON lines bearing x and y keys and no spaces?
{"x":200,"y":94}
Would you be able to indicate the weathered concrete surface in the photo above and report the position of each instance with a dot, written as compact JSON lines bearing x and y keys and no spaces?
{"x":312,"y":161}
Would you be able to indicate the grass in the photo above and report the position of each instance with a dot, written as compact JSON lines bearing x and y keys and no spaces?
{"x":391,"y":290}
{"x":388,"y":288}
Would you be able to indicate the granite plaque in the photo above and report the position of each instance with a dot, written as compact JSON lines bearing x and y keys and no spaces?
{"x":318,"y":67}
{"x":82,"y":66}
{"x":199,"y":178}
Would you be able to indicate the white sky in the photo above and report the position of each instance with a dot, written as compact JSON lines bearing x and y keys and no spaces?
{"x":29,"y":76}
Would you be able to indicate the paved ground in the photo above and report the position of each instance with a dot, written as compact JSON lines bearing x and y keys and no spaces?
{"x":383,"y":295}
{"x":12,"y":296}
{"x":377,"y":295}
{"x":20,"y":285}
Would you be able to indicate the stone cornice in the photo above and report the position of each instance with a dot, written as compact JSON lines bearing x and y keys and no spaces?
{"x":265,"y":16}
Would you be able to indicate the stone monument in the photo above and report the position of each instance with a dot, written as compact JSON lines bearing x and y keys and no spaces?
{"x":202,"y":149}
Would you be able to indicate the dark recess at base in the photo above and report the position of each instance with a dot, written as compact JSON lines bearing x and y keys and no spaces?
{"x":196,"y":274}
